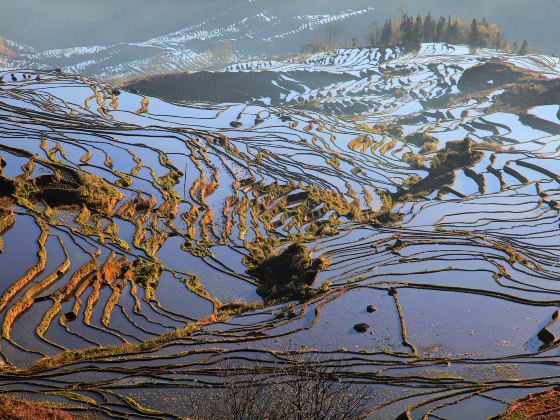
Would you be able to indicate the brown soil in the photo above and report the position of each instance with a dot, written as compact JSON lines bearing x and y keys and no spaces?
{"x":542,"y":406}
{"x":19,"y":409}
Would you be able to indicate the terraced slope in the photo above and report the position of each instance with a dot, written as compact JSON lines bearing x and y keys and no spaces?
{"x":140,"y":237}
{"x":235,"y":29}
{"x":355,"y":81}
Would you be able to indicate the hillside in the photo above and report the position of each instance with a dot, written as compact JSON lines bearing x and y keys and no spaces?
{"x":359,"y":81}
{"x":5,"y":51}
{"x":241,"y":29}
{"x":128,"y":39}
{"x":377,"y":223}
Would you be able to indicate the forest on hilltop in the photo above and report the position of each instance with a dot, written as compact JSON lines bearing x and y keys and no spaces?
{"x":412,"y":31}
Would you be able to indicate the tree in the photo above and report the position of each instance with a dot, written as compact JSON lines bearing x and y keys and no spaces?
{"x":429,"y":28}
{"x":406,"y":29}
{"x":441,"y":30}
{"x":448,"y":30}
{"x":524,"y":50}
{"x":417,"y":32}
{"x":474,"y":37}
{"x":299,"y":390}
{"x":501,"y":43}
{"x":453,"y":30}
{"x":333,"y":30}
{"x":373,"y":34}
{"x":412,"y":31}
{"x":315,"y":46}
{"x":387,"y":32}
{"x":223,"y":53}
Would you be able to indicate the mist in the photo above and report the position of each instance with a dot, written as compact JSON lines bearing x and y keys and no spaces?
{"x":67,"y":23}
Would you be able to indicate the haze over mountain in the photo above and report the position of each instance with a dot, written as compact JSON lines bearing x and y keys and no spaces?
{"x":68,"y":23}
{"x":116,"y":40}
{"x":536,"y":21}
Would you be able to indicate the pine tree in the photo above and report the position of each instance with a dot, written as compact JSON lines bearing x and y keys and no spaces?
{"x":387,"y":32}
{"x":429,"y":29}
{"x":418,"y":32}
{"x":474,"y":37}
{"x":412,"y":31}
{"x":406,"y":29}
{"x":524,"y":50}
{"x":373,"y":34}
{"x":499,"y":45}
{"x":453,"y":31}
{"x":449,"y":30}
{"x":440,"y":30}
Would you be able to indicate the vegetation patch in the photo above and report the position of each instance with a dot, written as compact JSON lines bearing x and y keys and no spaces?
{"x":98,"y":193}
{"x":63,"y":187}
{"x":455,"y":155}
{"x":420,"y":139}
{"x":411,"y":31}
{"x":391,"y":130}
{"x":543,"y":405}
{"x":146,"y":272}
{"x":425,"y":141}
{"x":24,"y":409}
{"x":288,"y":275}
{"x":7,"y":219}
{"x":238,"y":307}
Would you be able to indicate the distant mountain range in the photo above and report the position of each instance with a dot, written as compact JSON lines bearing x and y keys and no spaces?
{"x":243,"y":30}
{"x":129,"y":38}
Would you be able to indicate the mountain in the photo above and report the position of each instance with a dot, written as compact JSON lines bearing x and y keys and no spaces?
{"x":240,"y":30}
{"x":391,"y":213}
{"x":351,"y":81}
{"x":127,"y":39}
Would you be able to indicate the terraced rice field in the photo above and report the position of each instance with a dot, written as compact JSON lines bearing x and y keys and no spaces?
{"x":207,"y":41}
{"x":129,"y":226}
